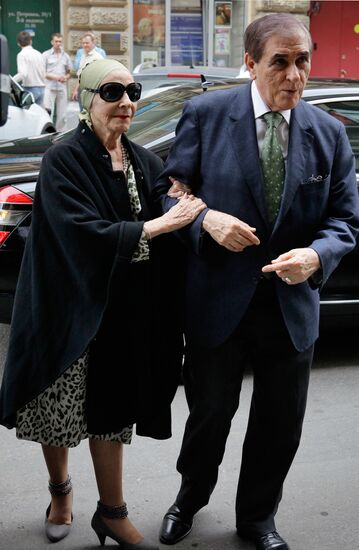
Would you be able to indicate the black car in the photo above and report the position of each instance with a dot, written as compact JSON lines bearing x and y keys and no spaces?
{"x":154,"y":128}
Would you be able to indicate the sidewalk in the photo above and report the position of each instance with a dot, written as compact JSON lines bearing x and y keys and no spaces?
{"x":319,"y":510}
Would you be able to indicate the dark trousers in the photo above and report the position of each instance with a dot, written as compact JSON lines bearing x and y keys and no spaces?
{"x":213,"y":379}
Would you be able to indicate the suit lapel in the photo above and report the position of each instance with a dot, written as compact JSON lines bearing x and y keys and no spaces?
{"x":243,"y":140}
{"x":300,"y":142}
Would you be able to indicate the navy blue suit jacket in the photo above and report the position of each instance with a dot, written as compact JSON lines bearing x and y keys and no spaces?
{"x":216,"y":153}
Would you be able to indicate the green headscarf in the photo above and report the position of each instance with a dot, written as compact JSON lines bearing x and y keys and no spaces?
{"x":91,"y":77}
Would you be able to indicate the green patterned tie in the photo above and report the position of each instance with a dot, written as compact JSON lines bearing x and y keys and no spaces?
{"x":272,"y":165}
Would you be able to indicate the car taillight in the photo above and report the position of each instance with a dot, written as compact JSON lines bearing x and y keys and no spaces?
{"x":14,"y":207}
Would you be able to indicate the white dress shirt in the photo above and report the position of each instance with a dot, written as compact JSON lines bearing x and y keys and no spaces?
{"x":30,"y":67}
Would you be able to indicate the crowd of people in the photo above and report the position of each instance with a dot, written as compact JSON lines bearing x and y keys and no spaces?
{"x":46,"y":74}
{"x":223,"y":244}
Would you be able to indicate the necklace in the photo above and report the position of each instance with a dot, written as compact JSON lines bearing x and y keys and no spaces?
{"x":125,"y":161}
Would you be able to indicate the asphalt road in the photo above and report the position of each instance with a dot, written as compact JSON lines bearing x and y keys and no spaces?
{"x":319,"y":510}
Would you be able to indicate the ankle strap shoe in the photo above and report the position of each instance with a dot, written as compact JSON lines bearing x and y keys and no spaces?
{"x":102,"y":530}
{"x":56,"y":532}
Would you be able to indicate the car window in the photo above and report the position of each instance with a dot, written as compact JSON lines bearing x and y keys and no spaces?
{"x":347,"y":111}
{"x":14,"y":97}
{"x":149,"y":83}
{"x":157,"y":116}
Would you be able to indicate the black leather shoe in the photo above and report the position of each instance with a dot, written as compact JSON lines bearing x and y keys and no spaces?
{"x":270,"y":541}
{"x":175,"y":526}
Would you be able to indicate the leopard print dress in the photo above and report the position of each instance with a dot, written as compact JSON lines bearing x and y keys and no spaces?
{"x":57,"y":417}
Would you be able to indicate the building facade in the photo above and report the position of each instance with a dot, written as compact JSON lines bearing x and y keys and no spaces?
{"x":183,"y":32}
{"x":163,"y":32}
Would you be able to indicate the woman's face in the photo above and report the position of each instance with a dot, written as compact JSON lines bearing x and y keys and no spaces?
{"x":114,"y":117}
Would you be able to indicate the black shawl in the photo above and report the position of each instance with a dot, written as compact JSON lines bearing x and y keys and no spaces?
{"x":78,"y":288}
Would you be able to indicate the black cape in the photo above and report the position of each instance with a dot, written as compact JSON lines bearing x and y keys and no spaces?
{"x":78,"y":288}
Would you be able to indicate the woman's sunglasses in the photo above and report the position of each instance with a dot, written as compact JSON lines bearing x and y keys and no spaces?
{"x":113,"y":91}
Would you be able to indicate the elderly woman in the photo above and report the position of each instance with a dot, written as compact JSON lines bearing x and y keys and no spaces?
{"x":96,"y":342}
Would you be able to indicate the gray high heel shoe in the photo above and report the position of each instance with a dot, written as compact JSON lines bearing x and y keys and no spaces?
{"x":55,"y":532}
{"x":102,"y":530}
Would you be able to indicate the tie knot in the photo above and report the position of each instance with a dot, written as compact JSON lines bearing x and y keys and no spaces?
{"x":273,"y":119}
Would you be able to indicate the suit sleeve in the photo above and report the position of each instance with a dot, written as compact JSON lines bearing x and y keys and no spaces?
{"x":184,"y":163}
{"x":338,"y":231}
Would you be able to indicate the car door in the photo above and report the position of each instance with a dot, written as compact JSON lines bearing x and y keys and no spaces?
{"x":342,"y":288}
{"x":25,"y":117}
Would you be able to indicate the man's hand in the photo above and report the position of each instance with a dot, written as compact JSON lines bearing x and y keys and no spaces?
{"x":229,"y":231}
{"x":295,"y":266}
{"x":178,"y":189}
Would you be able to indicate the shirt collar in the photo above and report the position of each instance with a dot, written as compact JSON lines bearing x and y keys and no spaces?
{"x":260,"y":107}
{"x":53,"y":51}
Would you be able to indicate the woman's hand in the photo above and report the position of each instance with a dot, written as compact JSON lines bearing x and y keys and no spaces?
{"x":178,"y":189}
{"x":184,"y":212}
{"x":181,"y":214}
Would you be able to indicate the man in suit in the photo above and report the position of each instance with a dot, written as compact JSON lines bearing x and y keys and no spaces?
{"x":278,"y":178}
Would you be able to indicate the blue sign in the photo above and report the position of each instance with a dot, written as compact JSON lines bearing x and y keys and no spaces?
{"x":186,"y":39}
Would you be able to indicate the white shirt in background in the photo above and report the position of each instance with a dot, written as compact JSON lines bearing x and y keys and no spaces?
{"x":30,"y":67}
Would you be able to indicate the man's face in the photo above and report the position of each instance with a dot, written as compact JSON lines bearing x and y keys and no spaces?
{"x":56,"y":43}
{"x":282,"y":72}
{"x":87,"y":44}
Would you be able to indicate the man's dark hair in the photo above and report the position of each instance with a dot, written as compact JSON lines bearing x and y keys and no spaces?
{"x":24,"y":38}
{"x":260,"y":30}
{"x":56,"y":35}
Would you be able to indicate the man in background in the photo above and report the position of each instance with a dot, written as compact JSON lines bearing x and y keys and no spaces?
{"x":58,"y":70}
{"x":80,"y":52}
{"x":30,"y":67}
{"x":89,"y":54}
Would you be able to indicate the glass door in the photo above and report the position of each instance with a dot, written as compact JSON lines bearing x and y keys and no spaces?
{"x":149,"y":32}
{"x":226,"y":24}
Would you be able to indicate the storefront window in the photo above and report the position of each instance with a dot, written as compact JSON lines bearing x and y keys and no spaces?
{"x":186,"y":32}
{"x":228,"y":22}
{"x":149,"y":31}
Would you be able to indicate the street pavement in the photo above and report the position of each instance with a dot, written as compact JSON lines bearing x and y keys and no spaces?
{"x":320,"y":505}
